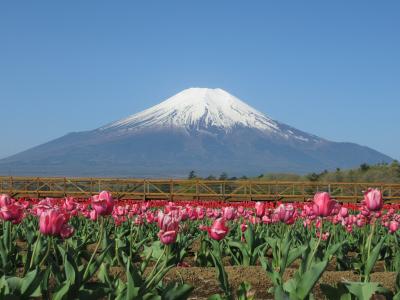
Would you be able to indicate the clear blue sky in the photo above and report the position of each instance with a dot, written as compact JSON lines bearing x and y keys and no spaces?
{"x":331,"y":68}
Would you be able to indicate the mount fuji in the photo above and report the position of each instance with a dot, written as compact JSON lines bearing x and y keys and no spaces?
{"x":201,"y":129}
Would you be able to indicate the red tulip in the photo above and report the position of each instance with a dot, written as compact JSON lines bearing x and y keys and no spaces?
{"x":103,"y":203}
{"x":218,"y":230}
{"x":51,"y":222}
{"x":67,"y":231}
{"x":323,"y":204}
{"x":373,"y":200}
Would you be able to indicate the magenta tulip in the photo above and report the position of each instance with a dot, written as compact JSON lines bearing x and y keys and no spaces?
{"x":218,"y":229}
{"x":229,"y":213}
{"x":12,"y":212}
{"x":169,"y":227}
{"x":343,"y":212}
{"x":103,"y":203}
{"x":373,"y":199}
{"x":167,"y":237}
{"x":285,"y":213}
{"x":5,"y":200}
{"x":51,"y":222}
{"x":259,"y":206}
{"x":393,"y":226}
{"x":66,"y":231}
{"x":323,"y":204}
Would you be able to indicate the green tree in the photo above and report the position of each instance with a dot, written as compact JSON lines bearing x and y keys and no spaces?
{"x":192,"y":175}
{"x":364,"y":167}
{"x":223,"y":176}
{"x":313,"y":177}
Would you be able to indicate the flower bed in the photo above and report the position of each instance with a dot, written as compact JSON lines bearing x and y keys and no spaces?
{"x":99,"y":247}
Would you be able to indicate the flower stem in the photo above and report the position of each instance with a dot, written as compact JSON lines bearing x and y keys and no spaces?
{"x":152,"y":276}
{"x":97,"y":247}
{"x":316,"y":247}
{"x":34,"y":251}
{"x":49,"y":244}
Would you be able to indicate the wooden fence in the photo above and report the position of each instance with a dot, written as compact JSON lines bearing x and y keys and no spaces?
{"x":178,"y":189}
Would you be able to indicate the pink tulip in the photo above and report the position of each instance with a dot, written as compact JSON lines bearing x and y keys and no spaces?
{"x":93,"y":215}
{"x":373,"y":199}
{"x":167,"y":237}
{"x":343,"y":212}
{"x":393,"y":226}
{"x":103,"y":203}
{"x":229,"y":213}
{"x":5,"y":200}
{"x":218,"y":229}
{"x":259,"y":206}
{"x":51,"y":222}
{"x":266,"y":220}
{"x":12,"y":212}
{"x":69,"y":203}
{"x":169,"y":227}
{"x":285,"y":213}
{"x":323,"y":204}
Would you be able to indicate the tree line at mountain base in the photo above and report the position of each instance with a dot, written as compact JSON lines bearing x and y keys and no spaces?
{"x":383,"y":172}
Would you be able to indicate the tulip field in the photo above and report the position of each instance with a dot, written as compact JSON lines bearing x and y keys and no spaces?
{"x":103,"y":248}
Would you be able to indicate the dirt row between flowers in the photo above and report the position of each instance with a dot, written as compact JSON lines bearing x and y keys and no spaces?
{"x":204,"y":279}
{"x":205,"y":282}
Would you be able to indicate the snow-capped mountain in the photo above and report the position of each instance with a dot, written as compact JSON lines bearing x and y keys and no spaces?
{"x":204,"y":109}
{"x":197,"y":108}
{"x":201,"y":129}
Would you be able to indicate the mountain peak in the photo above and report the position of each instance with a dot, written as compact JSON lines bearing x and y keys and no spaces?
{"x":198,"y":108}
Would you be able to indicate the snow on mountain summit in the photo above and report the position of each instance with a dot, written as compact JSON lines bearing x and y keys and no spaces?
{"x":205,"y":109}
{"x":198,"y":108}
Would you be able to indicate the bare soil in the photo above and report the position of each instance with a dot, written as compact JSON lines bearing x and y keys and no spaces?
{"x":205,"y":279}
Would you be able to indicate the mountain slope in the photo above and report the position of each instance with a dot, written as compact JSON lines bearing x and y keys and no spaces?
{"x":207,"y":130}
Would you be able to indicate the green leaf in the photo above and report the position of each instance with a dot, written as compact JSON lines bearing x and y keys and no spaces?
{"x":221,"y":273}
{"x":215,"y":297}
{"x":31,"y":283}
{"x":397,"y":296}
{"x":310,"y":278}
{"x":103,"y":275}
{"x":63,"y":291}
{"x":373,"y":257}
{"x":14,"y":284}
{"x":177,"y":292}
{"x":244,"y":292}
{"x":363,"y":290}
{"x":333,"y":249}
{"x":295,"y":254}
{"x":249,"y":236}
{"x":132,"y":289}
{"x":94,"y":266}
{"x":331,"y":292}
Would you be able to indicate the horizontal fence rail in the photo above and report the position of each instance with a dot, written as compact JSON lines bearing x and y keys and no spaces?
{"x":178,"y":189}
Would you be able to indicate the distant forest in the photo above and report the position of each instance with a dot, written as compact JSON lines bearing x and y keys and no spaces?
{"x":383,"y":172}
